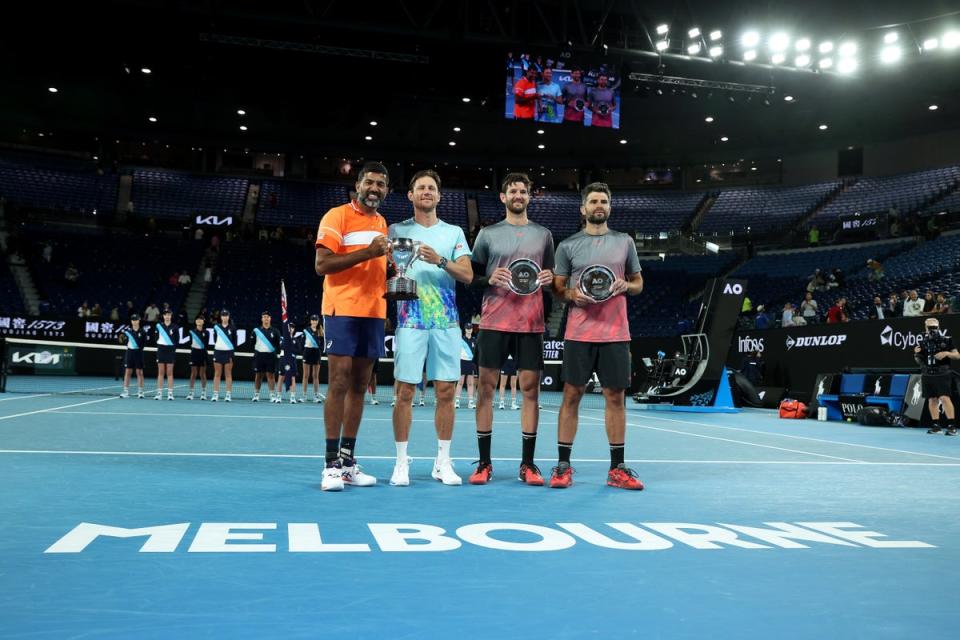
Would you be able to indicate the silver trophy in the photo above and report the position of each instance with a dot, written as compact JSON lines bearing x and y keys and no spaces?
{"x":523,"y":277}
{"x":597,"y":281}
{"x":404,"y":251}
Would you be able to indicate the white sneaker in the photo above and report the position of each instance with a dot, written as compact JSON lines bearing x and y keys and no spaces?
{"x":501,"y":405}
{"x":226,"y":398}
{"x":421,"y":402}
{"x":456,"y":403}
{"x":140,"y":395}
{"x":293,"y":400}
{"x":354,"y":475}
{"x":215,"y":397}
{"x":401,"y":473}
{"x":125,"y":393}
{"x":513,"y":406}
{"x":255,"y":398}
{"x":159,"y":396}
{"x":472,"y":405}
{"x":374,"y":401}
{"x":189,"y":396}
{"x":301,"y":400}
{"x":443,"y":471}
{"x":332,"y":479}
{"x":393,"y":402}
{"x":203,"y":396}
{"x":170,"y":396}
{"x":317,"y":400}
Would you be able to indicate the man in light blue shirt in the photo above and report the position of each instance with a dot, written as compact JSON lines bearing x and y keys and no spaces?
{"x":428,"y":328}
{"x":548,"y":99}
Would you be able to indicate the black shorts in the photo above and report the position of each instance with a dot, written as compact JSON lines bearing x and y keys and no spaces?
{"x":166,"y":355}
{"x":133,"y":359}
{"x":264,"y":362}
{"x":611,"y":361}
{"x":311,"y":356}
{"x":198,"y":357}
{"x":468,"y":368}
{"x":222,"y":356}
{"x":494,"y":346}
{"x":936,"y":385}
{"x":509,"y":367}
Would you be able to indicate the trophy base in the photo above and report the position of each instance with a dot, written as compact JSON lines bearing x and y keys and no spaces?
{"x":401,"y":289}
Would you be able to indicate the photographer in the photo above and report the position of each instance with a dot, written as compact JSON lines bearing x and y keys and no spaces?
{"x":933,"y":355}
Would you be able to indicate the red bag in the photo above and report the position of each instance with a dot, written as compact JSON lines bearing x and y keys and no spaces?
{"x":793,"y":409}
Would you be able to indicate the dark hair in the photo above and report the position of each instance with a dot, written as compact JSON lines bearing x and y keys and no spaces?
{"x":425,"y":173}
{"x":373,"y":167}
{"x":595,"y":187}
{"x":513,"y":178}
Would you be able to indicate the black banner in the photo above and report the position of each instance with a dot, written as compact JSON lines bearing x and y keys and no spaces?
{"x":795,"y":356}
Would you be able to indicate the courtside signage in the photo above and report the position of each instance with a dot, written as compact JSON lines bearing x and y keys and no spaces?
{"x":305,"y":537}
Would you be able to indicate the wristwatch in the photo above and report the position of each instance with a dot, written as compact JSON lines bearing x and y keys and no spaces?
{"x":443,"y":263}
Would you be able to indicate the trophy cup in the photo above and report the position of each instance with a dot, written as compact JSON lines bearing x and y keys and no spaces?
{"x":523,"y":277}
{"x":404,"y":252}
{"x":596,"y":281}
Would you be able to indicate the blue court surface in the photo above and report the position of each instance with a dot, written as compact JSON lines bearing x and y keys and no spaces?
{"x":143,"y":519}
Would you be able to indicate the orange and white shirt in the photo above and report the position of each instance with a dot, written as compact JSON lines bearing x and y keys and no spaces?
{"x":357,"y":291}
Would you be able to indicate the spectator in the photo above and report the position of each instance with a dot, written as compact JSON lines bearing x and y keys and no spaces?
{"x":929,"y":302}
{"x":198,"y":234}
{"x":786,"y":319}
{"x":837,"y":279}
{"x":174,"y":279}
{"x":817,"y":282}
{"x":208,"y":275}
{"x":152,"y":313}
{"x":184,"y":278}
{"x":814,"y":236}
{"x":809,"y":309}
{"x":96,"y":311}
{"x":115,"y":314}
{"x":762,"y":320}
{"x":47,"y":252}
{"x":876,"y":270}
{"x":83,"y":311}
{"x":877,"y":310}
{"x":72,"y":274}
{"x":129,"y":311}
{"x":263,"y":235}
{"x":894,"y":306}
{"x":913,"y":305}
{"x":838,"y":312}
{"x":942,"y":306}
{"x":215,"y":243}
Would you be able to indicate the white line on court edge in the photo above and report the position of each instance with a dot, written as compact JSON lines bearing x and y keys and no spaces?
{"x":37,"y":395}
{"x":751,"y":444}
{"x":228,"y":415}
{"x":320,"y":456}
{"x":48,"y":410}
{"x":787,"y":435}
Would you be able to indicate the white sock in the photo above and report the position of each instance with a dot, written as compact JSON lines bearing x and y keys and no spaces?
{"x":443,"y":450}
{"x":401,"y":451}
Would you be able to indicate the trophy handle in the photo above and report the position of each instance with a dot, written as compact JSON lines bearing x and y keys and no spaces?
{"x":416,"y":250}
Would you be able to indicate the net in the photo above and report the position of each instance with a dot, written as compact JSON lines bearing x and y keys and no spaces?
{"x":83,"y":369}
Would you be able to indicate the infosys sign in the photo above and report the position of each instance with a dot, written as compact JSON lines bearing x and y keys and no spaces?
{"x":903,"y":340}
{"x":816,"y":341}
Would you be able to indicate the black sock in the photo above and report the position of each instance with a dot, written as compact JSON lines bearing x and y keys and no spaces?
{"x":484,"y":439}
{"x":333,"y":449}
{"x":616,"y":455}
{"x":347,"y":445}
{"x":564,"y":449}
{"x":529,"y":446}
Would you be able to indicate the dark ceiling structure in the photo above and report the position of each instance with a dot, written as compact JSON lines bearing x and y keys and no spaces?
{"x":311,"y":75}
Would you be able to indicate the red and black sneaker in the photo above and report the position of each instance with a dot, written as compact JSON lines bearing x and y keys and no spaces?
{"x":562,"y":476}
{"x":623,"y":477}
{"x":482,"y":474}
{"x":530,"y":474}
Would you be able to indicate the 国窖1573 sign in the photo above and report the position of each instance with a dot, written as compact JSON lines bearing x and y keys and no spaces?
{"x":304,"y":537}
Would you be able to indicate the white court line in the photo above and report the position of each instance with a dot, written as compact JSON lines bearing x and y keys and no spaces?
{"x":37,"y":395}
{"x":751,"y":444}
{"x":48,"y":410}
{"x":320,"y":456}
{"x":228,"y":415}
{"x":787,"y":435}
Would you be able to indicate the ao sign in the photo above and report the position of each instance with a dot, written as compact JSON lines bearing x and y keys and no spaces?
{"x":214,"y":221}
{"x":736,"y":289}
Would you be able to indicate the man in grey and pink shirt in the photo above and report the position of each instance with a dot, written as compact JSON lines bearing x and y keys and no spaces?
{"x":598,"y":334}
{"x":513,"y":262}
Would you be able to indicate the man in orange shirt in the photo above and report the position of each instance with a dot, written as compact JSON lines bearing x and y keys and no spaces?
{"x":352,"y":246}
{"x":525,"y":96}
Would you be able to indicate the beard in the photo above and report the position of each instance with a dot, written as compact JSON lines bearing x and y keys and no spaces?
{"x":517,"y":207}
{"x":372,"y":201}
{"x":597,"y":217}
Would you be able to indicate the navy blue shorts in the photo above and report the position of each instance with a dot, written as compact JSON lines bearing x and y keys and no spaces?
{"x":222,"y":357}
{"x":264,"y":362}
{"x":166,"y":355}
{"x":468,"y":368}
{"x":354,"y":337}
{"x":198,"y":357}
{"x":133,"y":359}
{"x":311,"y":356}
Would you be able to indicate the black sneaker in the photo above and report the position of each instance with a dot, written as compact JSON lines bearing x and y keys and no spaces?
{"x":951,"y":431}
{"x":935,"y":430}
